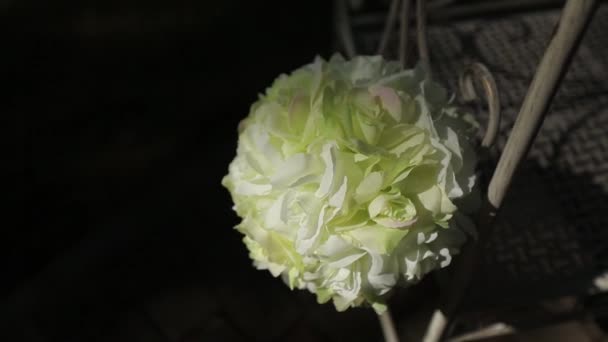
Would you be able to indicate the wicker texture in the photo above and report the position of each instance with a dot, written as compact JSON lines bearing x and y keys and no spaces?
{"x":550,"y":237}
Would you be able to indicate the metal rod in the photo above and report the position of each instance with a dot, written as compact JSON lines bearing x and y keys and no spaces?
{"x":480,"y":73}
{"x":388,"y":26}
{"x":488,"y":8}
{"x":403,"y":32}
{"x":494,"y":330}
{"x":553,"y":66}
{"x":443,"y":14}
{"x":423,"y":48}
{"x":344,"y":28}
{"x":388,"y":327}
{"x":573,"y":21}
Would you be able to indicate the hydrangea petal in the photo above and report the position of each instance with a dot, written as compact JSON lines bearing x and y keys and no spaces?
{"x":389,"y":99}
{"x":329,"y":158}
{"x":369,"y":187}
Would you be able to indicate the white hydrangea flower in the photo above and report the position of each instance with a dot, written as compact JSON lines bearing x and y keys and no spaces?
{"x":346,"y":178}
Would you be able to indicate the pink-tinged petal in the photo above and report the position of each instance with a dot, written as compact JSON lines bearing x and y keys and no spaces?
{"x":389,"y":99}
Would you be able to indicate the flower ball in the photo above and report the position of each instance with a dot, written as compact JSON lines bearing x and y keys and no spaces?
{"x":349,"y":177}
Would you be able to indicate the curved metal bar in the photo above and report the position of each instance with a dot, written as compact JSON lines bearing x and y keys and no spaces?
{"x":391,"y":17}
{"x":403,"y":32}
{"x":477,"y":72}
{"x":574,"y":19}
{"x":423,"y":48}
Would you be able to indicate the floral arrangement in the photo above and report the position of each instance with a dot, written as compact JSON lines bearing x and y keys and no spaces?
{"x":353,"y":177}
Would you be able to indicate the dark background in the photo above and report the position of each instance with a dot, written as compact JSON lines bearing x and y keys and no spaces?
{"x":128,"y":112}
{"x":131,"y":111}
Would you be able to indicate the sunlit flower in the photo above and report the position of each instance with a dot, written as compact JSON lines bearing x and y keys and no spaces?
{"x":348,"y":176}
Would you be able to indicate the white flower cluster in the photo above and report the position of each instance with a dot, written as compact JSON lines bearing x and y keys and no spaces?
{"x":346,"y":178}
